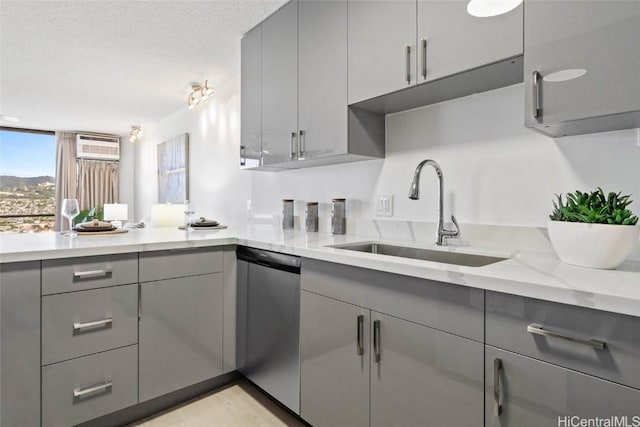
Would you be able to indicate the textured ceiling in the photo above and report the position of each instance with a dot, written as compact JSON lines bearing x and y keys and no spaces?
{"x":104,"y":65}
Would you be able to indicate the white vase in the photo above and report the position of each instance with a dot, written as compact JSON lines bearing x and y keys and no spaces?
{"x":592,"y":245}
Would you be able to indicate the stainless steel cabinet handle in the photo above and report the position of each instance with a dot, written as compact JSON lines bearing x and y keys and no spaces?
{"x":408,"y":64}
{"x":424,"y":59}
{"x":79,"y":326}
{"x":81,"y":392}
{"x":139,"y":301}
{"x":92,"y":273}
{"x":293,"y":146}
{"x":360,"y":326}
{"x":497,"y":402}
{"x":539,"y":330}
{"x":301,"y":144}
{"x":535,"y":95}
{"x":376,"y":340}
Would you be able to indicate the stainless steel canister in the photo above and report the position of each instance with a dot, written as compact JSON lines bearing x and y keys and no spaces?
{"x":287,"y":214}
{"x":338,"y":216}
{"x":311,"y":216}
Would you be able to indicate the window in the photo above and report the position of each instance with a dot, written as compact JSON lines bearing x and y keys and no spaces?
{"x":27,"y":181}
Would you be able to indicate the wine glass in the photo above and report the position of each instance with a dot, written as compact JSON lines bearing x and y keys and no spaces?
{"x":188,"y":211}
{"x":70,"y":210}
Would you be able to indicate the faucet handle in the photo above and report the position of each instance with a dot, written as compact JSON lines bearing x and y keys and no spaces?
{"x":455,"y":223}
{"x":448,"y":234}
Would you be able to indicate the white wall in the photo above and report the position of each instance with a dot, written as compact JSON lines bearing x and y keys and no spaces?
{"x":496,"y":171}
{"x":127,"y":175}
{"x":218,"y":188}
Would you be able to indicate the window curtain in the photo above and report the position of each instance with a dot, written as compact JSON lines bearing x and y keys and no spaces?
{"x":97,"y":183}
{"x":66,"y":174}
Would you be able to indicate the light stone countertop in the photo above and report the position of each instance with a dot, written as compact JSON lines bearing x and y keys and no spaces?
{"x":528,"y":273}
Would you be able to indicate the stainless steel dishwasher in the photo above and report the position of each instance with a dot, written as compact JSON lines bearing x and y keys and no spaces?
{"x":269,"y":323}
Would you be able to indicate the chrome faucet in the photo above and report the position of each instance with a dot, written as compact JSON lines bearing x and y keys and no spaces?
{"x":414,"y":194}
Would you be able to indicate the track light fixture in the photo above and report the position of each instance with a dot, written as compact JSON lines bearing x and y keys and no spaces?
{"x":198,"y":94}
{"x":135,"y":133}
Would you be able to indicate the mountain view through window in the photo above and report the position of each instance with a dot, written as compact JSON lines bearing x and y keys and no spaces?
{"x":27,"y":181}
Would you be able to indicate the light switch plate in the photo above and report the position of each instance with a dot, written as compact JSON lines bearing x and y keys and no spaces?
{"x":384,"y":205}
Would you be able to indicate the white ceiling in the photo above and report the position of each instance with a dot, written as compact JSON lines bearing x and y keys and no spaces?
{"x":104,"y":65}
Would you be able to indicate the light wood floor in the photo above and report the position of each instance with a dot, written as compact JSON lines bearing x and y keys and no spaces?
{"x":237,"y":405}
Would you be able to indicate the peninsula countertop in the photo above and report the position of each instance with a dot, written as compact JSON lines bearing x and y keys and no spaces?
{"x":526,"y":273}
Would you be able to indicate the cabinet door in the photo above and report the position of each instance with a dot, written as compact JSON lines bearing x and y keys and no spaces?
{"x":424,"y":377}
{"x":280,"y":85}
{"x":334,"y":377}
{"x":251,"y":99}
{"x":455,"y":41}
{"x":322,"y":89}
{"x":380,"y":33}
{"x":20,"y":347}
{"x":599,"y":37}
{"x":180,"y":333}
{"x":531,"y":393}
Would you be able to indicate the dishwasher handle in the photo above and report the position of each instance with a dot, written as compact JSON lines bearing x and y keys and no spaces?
{"x":270,"y":259}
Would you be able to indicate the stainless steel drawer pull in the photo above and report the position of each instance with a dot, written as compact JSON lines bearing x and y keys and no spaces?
{"x":360,"y":326}
{"x":293,"y":146}
{"x":376,"y":340}
{"x":535,"y":95}
{"x":92,"y":273}
{"x":424,"y":59}
{"x":301,"y":144}
{"x":497,"y":402}
{"x":78,"y":326}
{"x":408,"y":64}
{"x":81,"y":392}
{"x":539,"y":330}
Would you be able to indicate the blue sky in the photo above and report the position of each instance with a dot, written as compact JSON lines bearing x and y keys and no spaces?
{"x":27,"y":154}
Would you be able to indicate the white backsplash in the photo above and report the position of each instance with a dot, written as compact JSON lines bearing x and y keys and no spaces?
{"x":496,"y":172}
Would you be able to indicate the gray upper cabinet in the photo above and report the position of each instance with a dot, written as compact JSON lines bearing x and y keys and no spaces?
{"x":180,"y":333}
{"x":322,"y":78}
{"x":525,"y":392}
{"x":581,"y":62}
{"x":20,"y":348}
{"x":251,"y":99}
{"x":280,"y":85}
{"x":334,"y":362}
{"x":382,"y":44}
{"x":450,"y":40}
{"x":423,"y":374}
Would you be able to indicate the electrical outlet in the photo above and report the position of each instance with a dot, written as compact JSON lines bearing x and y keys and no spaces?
{"x":384,"y":206}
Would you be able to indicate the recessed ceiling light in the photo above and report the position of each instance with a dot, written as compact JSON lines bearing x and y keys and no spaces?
{"x":487,"y":8}
{"x":9,"y":118}
{"x":564,"y":75}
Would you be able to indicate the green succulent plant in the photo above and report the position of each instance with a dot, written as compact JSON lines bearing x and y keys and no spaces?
{"x":594,"y":208}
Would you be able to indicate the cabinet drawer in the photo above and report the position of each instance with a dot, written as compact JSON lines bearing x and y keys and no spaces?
{"x":451,"y":308}
{"x":82,"y":389}
{"x":510,"y":323}
{"x":80,"y":323}
{"x":531,"y":393}
{"x":76,"y":274}
{"x":179,"y":263}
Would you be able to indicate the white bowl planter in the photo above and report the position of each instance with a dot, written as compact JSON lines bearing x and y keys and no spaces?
{"x":592,"y":245}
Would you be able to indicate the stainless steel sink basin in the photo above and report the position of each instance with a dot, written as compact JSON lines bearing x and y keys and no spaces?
{"x":457,"y":258}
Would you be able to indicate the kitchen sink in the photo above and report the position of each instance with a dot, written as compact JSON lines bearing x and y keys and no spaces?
{"x":457,"y":258}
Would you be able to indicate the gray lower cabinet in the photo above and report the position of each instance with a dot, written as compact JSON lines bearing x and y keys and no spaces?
{"x":334,"y":362}
{"x":180,"y":333}
{"x":525,"y":392}
{"x":20,"y":344}
{"x":360,"y":368}
{"x":581,"y":66}
{"x":81,"y":389}
{"x":424,"y":377}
